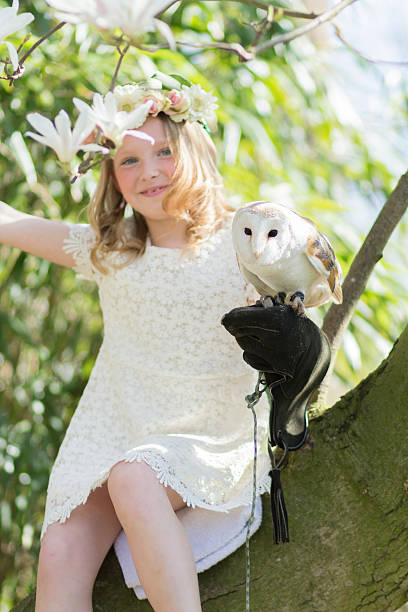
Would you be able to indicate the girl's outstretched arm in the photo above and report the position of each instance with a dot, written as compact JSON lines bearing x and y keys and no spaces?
{"x":35,"y":235}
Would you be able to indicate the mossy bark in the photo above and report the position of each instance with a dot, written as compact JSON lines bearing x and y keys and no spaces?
{"x":347,"y":498}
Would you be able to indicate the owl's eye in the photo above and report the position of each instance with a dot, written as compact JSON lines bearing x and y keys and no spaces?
{"x":248,"y":231}
{"x":272,"y":233}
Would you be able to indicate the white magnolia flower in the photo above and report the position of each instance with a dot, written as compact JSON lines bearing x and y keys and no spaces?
{"x":61,"y":138}
{"x":133,"y":17}
{"x":115,"y":124}
{"x":10,"y":23}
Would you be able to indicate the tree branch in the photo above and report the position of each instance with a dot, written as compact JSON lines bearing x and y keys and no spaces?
{"x":266,"y":7}
{"x":20,"y":71}
{"x":118,"y":65}
{"x":246,"y":55}
{"x":243,"y":54}
{"x":40,"y":40}
{"x":237,"y":48}
{"x":305,"y":29}
{"x":338,"y":316}
{"x":354,"y":50}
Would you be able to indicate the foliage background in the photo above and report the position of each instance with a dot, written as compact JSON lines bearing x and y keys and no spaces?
{"x":283,"y":134}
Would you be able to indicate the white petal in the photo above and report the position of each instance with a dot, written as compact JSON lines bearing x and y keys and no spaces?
{"x":76,"y":11}
{"x":74,"y":6}
{"x":94,"y":147}
{"x":82,"y":106}
{"x":99,"y":108}
{"x":166,"y":32}
{"x":111,"y":104}
{"x":37,"y":137}
{"x":10,"y":22}
{"x":63,"y":127}
{"x":46,"y":129}
{"x":135,"y":118}
{"x":22,"y":20}
{"x":159,"y":6}
{"x":41,"y":124}
{"x":13,"y":55}
{"x":167,"y":80}
{"x":138,"y":134}
{"x":83,"y":127}
{"x":63,"y":124}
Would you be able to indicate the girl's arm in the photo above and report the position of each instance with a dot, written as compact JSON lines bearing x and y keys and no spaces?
{"x":35,"y":235}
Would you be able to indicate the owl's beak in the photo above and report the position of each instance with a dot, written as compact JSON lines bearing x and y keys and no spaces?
{"x":258,"y":246}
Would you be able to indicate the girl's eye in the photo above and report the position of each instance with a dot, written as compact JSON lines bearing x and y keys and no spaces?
{"x":165,"y":152}
{"x":129,"y":161}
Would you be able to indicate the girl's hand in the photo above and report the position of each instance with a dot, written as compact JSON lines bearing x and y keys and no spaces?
{"x":294,"y":355}
{"x":271,"y":338}
{"x":34,"y":235}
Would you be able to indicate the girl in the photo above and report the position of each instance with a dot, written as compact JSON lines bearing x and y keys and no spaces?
{"x":161,"y":437}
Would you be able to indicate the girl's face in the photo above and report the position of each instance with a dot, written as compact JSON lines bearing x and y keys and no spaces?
{"x":143,"y":171}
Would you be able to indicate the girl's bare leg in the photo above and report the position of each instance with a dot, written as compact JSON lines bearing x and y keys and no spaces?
{"x":72,"y":553}
{"x":159,"y":545}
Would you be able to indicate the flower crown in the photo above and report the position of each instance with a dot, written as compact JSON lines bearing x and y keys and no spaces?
{"x":174,"y":96}
{"x":120,"y":113}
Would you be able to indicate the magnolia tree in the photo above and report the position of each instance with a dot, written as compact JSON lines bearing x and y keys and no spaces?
{"x":92,"y":128}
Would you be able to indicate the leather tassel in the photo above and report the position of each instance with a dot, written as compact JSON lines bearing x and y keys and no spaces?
{"x":279,"y":513}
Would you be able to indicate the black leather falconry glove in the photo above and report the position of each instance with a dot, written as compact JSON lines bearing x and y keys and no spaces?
{"x":294,"y":355}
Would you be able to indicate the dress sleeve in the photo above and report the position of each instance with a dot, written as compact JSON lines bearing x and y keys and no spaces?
{"x":79,"y":243}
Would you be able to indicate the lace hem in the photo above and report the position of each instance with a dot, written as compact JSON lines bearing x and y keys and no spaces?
{"x":167,"y":477}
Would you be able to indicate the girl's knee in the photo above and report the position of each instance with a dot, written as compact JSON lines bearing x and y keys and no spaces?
{"x":64,"y":574}
{"x":134,"y":481}
{"x":57,"y":551}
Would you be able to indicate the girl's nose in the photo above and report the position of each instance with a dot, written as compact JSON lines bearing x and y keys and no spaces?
{"x":150,"y":171}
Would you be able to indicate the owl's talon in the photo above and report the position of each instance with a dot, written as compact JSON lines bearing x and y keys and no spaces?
{"x":279,"y":299}
{"x":296,"y":301}
{"x":267,"y":301}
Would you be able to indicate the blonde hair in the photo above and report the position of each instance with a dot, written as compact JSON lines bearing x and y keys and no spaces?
{"x":196,"y":181}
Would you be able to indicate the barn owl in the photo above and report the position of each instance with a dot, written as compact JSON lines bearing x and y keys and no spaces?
{"x":285,"y":257}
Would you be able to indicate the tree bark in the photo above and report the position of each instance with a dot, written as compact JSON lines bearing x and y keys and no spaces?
{"x":338,"y":316}
{"x":347,"y":497}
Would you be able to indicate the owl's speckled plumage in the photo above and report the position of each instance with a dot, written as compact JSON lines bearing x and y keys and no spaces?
{"x":279,"y":251}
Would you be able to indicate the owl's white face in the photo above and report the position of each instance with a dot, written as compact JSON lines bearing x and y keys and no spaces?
{"x":261,"y":233}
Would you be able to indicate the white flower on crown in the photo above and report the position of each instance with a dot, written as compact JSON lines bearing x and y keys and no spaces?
{"x":10,"y":23}
{"x":190,"y":103}
{"x":114,"y":123}
{"x":133,"y":17}
{"x":59,"y":136}
{"x":128,"y":96}
{"x":202,"y":105}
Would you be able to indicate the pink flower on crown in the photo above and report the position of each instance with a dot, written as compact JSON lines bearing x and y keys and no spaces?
{"x":179,"y":102}
{"x":158,"y":101}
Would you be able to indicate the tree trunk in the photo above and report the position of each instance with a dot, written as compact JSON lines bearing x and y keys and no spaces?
{"x":347,"y":498}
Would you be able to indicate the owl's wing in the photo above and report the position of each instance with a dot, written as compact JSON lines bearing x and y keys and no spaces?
{"x":321,"y":255}
{"x":255,"y":281}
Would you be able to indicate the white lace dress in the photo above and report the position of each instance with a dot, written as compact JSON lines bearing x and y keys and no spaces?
{"x":168,"y":386}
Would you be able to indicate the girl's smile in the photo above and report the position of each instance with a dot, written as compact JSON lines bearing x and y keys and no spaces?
{"x":150,"y":193}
